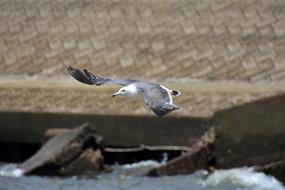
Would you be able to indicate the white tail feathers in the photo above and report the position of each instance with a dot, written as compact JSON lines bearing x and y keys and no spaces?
{"x":175,"y":93}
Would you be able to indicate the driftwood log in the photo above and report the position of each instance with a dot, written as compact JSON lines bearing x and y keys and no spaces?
{"x":70,"y":153}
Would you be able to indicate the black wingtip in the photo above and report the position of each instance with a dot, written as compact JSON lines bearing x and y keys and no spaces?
{"x":70,"y":69}
{"x":79,"y":75}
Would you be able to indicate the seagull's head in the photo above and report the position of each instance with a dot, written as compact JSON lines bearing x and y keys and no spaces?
{"x":122,"y":92}
{"x":129,"y":90}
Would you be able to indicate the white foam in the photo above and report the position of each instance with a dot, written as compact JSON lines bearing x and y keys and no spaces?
{"x":11,"y":170}
{"x":147,"y":163}
{"x":244,"y":177}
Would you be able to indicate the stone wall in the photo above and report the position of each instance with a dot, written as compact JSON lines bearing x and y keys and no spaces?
{"x":210,"y":40}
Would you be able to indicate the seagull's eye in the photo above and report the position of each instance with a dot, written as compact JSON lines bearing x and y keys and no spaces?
{"x":123,"y":90}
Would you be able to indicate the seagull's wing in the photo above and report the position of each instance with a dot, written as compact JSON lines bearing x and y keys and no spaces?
{"x":92,"y":79}
{"x":158,"y":99}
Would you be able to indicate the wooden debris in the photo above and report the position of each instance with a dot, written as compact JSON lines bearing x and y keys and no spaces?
{"x":68,"y":150}
{"x":197,"y":158}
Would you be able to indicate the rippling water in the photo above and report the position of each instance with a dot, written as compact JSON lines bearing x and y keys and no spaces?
{"x":123,"y":178}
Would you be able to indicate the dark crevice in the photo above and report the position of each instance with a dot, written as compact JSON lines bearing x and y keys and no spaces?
{"x":133,"y":157}
{"x":17,"y":152}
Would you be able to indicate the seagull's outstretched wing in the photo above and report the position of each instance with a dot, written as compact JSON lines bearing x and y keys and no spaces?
{"x":158,"y":99}
{"x":92,"y":79}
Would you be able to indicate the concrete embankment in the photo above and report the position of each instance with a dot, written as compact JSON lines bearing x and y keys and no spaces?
{"x":247,"y":134}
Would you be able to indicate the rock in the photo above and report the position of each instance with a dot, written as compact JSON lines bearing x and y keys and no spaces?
{"x":64,"y":152}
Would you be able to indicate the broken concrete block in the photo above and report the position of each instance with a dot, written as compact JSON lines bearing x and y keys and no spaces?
{"x":67,"y":150}
{"x":198,"y":157}
{"x":251,"y":134}
{"x":89,"y":161}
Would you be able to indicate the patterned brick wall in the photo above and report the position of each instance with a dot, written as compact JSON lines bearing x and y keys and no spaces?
{"x":201,"y":39}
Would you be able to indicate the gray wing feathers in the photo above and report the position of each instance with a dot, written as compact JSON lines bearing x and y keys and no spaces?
{"x":166,"y":108}
{"x":158,"y":100}
{"x":92,"y":79}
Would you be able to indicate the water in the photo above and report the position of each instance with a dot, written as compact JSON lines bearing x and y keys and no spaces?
{"x":128,"y":177}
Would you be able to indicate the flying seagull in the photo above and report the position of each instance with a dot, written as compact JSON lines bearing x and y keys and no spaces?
{"x":156,"y":96}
